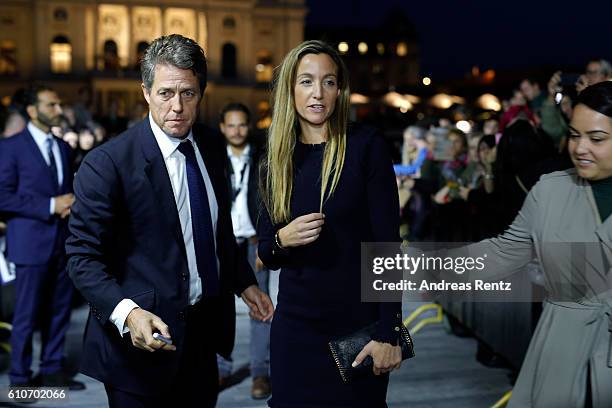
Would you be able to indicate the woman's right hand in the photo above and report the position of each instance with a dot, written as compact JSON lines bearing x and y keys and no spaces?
{"x":302,"y":230}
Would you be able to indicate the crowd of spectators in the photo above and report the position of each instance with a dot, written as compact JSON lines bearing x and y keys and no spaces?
{"x":471,"y":186}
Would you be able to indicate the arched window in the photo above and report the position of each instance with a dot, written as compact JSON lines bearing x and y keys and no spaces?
{"x":228,"y":61}
{"x":111,"y":55}
{"x":8,"y":57}
{"x":60,"y":52}
{"x":263,"y":67}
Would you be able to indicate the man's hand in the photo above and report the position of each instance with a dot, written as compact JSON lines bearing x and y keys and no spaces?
{"x":302,"y":230}
{"x":385,"y":356}
{"x":142,"y":325}
{"x":260,"y":304}
{"x":582,"y":83}
{"x":63,"y":204}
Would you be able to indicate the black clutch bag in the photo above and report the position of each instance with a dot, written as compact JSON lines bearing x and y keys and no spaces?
{"x":345,"y":350}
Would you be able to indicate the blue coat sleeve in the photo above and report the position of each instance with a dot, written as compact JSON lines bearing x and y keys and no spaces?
{"x":409,"y":170}
{"x":92,"y":222}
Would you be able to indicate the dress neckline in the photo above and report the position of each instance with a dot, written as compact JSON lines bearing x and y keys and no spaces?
{"x":312,"y":146}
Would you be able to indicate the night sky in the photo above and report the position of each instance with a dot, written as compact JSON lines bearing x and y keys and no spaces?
{"x":456,"y":35}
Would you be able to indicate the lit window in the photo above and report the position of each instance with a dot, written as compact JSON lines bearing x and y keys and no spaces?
{"x":61,"y":55}
{"x":8,"y":57}
{"x":263,"y":67}
{"x":402,"y":49}
{"x":343,"y":47}
{"x":264,"y":115}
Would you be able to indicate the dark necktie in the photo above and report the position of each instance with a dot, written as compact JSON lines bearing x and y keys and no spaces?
{"x":201,"y":222}
{"x":52,"y":162}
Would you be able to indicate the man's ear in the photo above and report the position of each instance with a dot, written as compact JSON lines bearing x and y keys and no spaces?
{"x":145,"y":93}
{"x":32,"y":112}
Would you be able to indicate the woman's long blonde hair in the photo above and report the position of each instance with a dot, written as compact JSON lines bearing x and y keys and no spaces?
{"x":277,"y":168}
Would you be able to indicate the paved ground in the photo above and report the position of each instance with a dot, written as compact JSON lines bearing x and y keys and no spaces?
{"x":443,"y":374}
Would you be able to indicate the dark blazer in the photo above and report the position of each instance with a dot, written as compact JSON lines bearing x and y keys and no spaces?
{"x":126,"y":242}
{"x":253,"y":197}
{"x":26,"y":188}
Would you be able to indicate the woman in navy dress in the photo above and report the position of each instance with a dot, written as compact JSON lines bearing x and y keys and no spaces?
{"x":327,"y":187}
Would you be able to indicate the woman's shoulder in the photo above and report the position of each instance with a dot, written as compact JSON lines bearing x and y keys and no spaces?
{"x":557,"y":182}
{"x":360,"y":133}
{"x":567,"y":176}
{"x":365,"y":139}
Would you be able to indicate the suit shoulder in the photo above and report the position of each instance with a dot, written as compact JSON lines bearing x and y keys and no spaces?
{"x":14,"y":140}
{"x":208,"y":136}
{"x":121,"y":143}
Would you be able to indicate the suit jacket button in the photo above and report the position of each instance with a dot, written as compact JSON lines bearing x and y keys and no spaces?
{"x":184,"y":276}
{"x":181,"y":315}
{"x":397,"y":329}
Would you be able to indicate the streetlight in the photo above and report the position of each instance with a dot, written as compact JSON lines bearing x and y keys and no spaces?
{"x":362,"y":47}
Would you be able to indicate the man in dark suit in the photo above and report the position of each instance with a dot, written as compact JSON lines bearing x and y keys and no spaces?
{"x":152,"y":248}
{"x":242,"y":175}
{"x":36,"y":196}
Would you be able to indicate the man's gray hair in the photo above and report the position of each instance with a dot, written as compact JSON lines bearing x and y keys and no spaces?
{"x":605,"y":67}
{"x":175,"y":50}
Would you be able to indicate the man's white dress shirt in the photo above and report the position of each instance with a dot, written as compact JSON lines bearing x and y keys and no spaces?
{"x":41,"y":138}
{"x":243,"y":227}
{"x":175,"y":165}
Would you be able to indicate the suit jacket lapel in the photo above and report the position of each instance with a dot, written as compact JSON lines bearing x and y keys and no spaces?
{"x":64,"y":153}
{"x":156,"y":171}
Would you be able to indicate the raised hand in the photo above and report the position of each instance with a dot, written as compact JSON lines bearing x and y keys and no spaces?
{"x":302,"y":230}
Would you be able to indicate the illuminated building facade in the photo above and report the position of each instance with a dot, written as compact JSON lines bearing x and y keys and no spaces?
{"x":74,"y":43}
{"x":380,"y":59}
